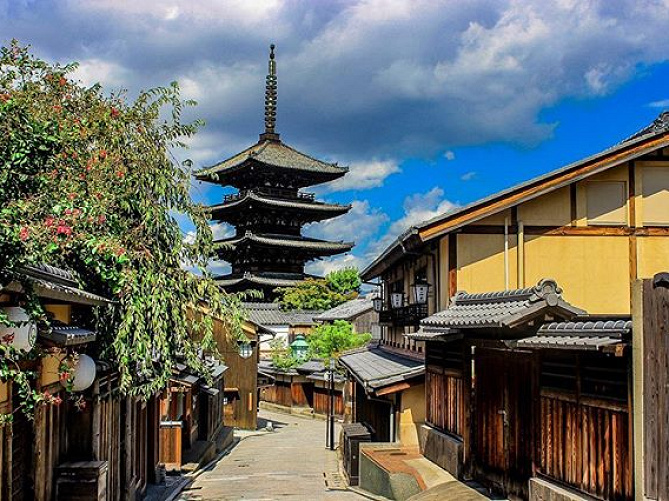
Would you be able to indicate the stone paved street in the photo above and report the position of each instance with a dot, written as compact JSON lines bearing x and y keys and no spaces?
{"x":289,"y":463}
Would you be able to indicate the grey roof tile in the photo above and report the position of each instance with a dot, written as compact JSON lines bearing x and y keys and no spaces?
{"x":346,"y":311}
{"x":376,"y":368}
{"x":271,"y":240}
{"x":504,"y":309}
{"x":580,"y":335}
{"x":67,"y":335}
{"x":251,"y":196}
{"x":274,"y":153}
{"x":270,"y":314}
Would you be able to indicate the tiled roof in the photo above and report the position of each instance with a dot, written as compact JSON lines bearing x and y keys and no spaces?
{"x":346,"y":311}
{"x":55,"y":283}
{"x":581,"y":335}
{"x":67,"y":335}
{"x":504,"y":309}
{"x":269,"y":240}
{"x":270,"y":314}
{"x":376,"y":368}
{"x":624,"y":151}
{"x":282,"y":203}
{"x":268,"y":279}
{"x":272,"y":153}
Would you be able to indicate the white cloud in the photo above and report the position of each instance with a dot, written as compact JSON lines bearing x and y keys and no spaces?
{"x":324,"y":266}
{"x":449,"y":155}
{"x":222,"y":230}
{"x":663,"y":103}
{"x":468,"y":176}
{"x":360,"y":223}
{"x":363,"y":176}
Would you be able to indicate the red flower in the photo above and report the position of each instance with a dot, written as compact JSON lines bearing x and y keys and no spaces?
{"x":49,"y":221}
{"x":120,"y":251}
{"x":62,"y":81}
{"x":103,"y":154}
{"x":4,"y":97}
{"x":68,"y":211}
{"x":64,"y":230}
{"x":71,"y":196}
{"x":102,"y":218}
{"x":57,"y":108}
{"x":64,"y":375}
{"x":120,"y":173}
{"x":114,"y":112}
{"x":23,"y":234}
{"x":57,"y":400}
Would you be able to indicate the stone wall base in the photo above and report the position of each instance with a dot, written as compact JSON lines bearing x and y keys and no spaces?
{"x":442,"y":449}
{"x":544,"y":490}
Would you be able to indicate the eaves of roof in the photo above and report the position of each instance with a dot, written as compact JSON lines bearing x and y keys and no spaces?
{"x":279,"y":202}
{"x":625,"y":151}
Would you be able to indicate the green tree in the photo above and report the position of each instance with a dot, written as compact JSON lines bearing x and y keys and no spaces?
{"x":88,"y":181}
{"x":329,"y":340}
{"x":344,"y":281}
{"x":282,"y":358}
{"x":321,"y":294}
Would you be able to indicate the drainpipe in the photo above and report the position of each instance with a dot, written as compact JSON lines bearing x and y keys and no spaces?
{"x":521,"y":255}
{"x":506,"y":253}
{"x":392,"y":422}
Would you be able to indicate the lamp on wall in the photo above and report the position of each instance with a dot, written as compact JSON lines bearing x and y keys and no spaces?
{"x":22,"y":335}
{"x":299,"y":347}
{"x":420,"y":290}
{"x":245,"y":348}
{"x":377,"y":303}
{"x":84,"y":372}
{"x":397,"y":299}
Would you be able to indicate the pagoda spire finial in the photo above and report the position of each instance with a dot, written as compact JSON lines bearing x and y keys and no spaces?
{"x":270,"y":99}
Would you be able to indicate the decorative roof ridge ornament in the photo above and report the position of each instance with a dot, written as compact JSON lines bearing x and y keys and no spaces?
{"x":659,"y":125}
{"x":547,"y":289}
{"x":270,"y":100}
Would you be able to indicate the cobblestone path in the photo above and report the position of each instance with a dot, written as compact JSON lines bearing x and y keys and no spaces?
{"x":290,"y":463}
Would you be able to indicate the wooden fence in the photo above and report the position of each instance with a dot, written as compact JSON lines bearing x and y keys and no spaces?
{"x":586,"y":446}
{"x":444,"y":396}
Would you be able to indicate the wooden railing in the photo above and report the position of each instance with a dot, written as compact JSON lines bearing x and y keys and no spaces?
{"x":170,"y":444}
{"x":585,"y":444}
{"x":406,"y":316}
{"x":273,"y":192}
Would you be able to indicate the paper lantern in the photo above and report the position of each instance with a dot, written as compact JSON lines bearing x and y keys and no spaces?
{"x":22,"y":336}
{"x":84,"y":372}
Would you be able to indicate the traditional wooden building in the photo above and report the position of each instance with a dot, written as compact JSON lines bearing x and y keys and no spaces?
{"x":91,"y":442}
{"x":269,"y":209}
{"x":359,"y":312}
{"x":528,"y":384}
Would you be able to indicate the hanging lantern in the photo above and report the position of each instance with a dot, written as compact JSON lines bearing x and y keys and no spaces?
{"x":84,"y":372}
{"x":420,"y":290}
{"x":397,"y":299}
{"x":245,"y":348}
{"x":22,"y":336}
{"x":377,"y":303}
{"x":299,"y":347}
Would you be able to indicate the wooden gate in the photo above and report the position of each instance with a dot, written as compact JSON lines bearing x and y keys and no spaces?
{"x":170,"y":444}
{"x":503,"y":436}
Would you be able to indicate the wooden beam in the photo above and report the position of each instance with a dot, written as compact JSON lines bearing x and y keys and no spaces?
{"x":541,"y":187}
{"x":393,"y":388}
{"x":452,"y":265}
{"x":610,"y":231}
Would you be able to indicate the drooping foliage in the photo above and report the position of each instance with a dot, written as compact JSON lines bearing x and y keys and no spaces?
{"x":88,"y":182}
{"x":321,"y":294}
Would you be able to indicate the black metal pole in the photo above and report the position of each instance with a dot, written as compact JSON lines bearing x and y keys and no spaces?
{"x":332,"y":404}
{"x":327,"y":419}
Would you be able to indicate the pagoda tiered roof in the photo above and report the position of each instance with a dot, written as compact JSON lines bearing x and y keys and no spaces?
{"x":248,"y":199}
{"x":303,"y":245}
{"x":260,"y":279}
{"x":272,"y":154}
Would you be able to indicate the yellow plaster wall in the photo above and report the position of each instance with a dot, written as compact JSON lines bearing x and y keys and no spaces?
{"x":552,"y":209}
{"x":657,"y":212}
{"x":620,"y":173}
{"x":4,"y":392}
{"x":495,"y":219}
{"x":652,"y":256}
{"x":481,"y":263}
{"x":593,"y":271}
{"x":61,"y":312}
{"x":49,"y":373}
{"x":412,"y":414}
{"x":444,"y":294}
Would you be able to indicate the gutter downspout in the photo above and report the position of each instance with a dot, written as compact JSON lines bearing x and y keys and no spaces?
{"x":506,"y":253}
{"x":521,"y":255}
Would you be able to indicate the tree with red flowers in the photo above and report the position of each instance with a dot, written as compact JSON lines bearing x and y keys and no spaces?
{"x":88,"y":182}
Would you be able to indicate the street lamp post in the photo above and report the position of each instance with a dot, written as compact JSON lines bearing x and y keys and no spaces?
{"x":332,"y":402}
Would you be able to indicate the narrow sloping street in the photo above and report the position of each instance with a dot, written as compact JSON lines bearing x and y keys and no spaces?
{"x":290,"y":463}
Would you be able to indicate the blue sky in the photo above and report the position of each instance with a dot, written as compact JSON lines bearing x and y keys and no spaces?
{"x":432,"y":103}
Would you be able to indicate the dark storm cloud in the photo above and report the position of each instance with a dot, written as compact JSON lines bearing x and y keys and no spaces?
{"x":359,"y":81}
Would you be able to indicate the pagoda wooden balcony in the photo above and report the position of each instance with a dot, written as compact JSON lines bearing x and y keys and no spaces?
{"x":272,"y":192}
{"x":406,"y":316}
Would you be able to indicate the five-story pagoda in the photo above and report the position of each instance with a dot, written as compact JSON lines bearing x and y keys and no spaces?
{"x":269,"y":210}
